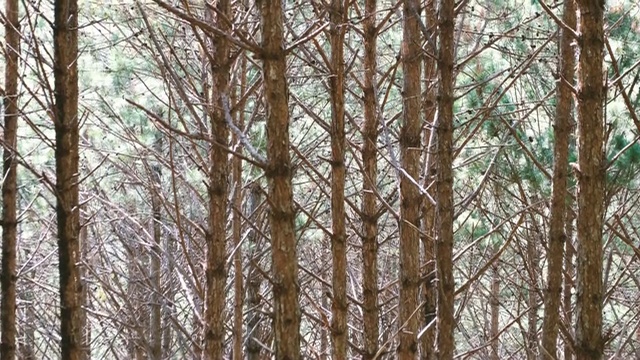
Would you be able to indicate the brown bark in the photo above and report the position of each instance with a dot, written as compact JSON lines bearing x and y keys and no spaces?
{"x":591,"y":174}
{"x":286,"y":307}
{"x":429,"y":296}
{"x":410,"y":146}
{"x":9,"y":184}
{"x":339,"y":304}
{"x":216,"y":273}
{"x":557,"y":237}
{"x":444,"y":182}
{"x":65,"y":32}
{"x":369,"y":184}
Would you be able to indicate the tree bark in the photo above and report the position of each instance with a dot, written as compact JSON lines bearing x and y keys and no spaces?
{"x":444,"y":182}
{"x":410,"y":146}
{"x":65,"y":32}
{"x":216,"y":272}
{"x":557,"y":237}
{"x":591,"y":175}
{"x":369,"y":186}
{"x":429,"y":296}
{"x":339,"y":304}
{"x":9,"y":184}
{"x":286,"y":307}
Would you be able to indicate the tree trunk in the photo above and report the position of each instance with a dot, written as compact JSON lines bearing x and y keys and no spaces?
{"x":410,"y":145}
{"x":155,"y":324}
{"x":369,"y":186}
{"x":557,"y":237}
{"x":9,"y":184}
{"x":429,"y":296}
{"x":237,"y":225}
{"x":569,"y":273}
{"x":339,"y":304}
{"x":216,"y":273}
{"x":533,"y":240}
{"x":591,"y":175}
{"x":286,"y":308}
{"x":26,"y":337}
{"x":65,"y":32}
{"x":494,"y":303}
{"x":254,"y":280}
{"x":444,"y":182}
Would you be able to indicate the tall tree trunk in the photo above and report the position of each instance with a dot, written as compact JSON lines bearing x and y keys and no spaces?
{"x":557,"y":237}
{"x":155,"y":323}
{"x":216,"y":273}
{"x":65,"y":32}
{"x":254,"y":279}
{"x":569,"y":275}
{"x":278,"y":172}
{"x":339,"y":305}
{"x":237,"y":224}
{"x":444,"y":182}
{"x":9,"y":184}
{"x":591,"y":175}
{"x":427,"y":342}
{"x":410,"y":145}
{"x":369,"y":186}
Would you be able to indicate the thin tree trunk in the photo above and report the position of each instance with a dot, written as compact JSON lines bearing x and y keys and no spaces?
{"x":369,"y":186}
{"x":216,"y":273}
{"x":339,"y":305}
{"x":9,"y":184}
{"x":410,"y":145}
{"x":444,"y":182}
{"x":155,"y":324}
{"x":286,"y":308}
{"x":139,"y":318}
{"x":495,"y":307}
{"x":427,"y":342}
{"x":324,"y":336}
{"x":238,"y":280}
{"x":26,"y":337}
{"x":254,"y":280}
{"x":66,"y":122}
{"x":169,"y":291}
{"x":569,"y":275}
{"x":591,"y":175}
{"x":557,"y":237}
{"x":532,"y":296}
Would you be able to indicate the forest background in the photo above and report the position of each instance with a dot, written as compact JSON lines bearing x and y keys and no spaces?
{"x":313,"y":179}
